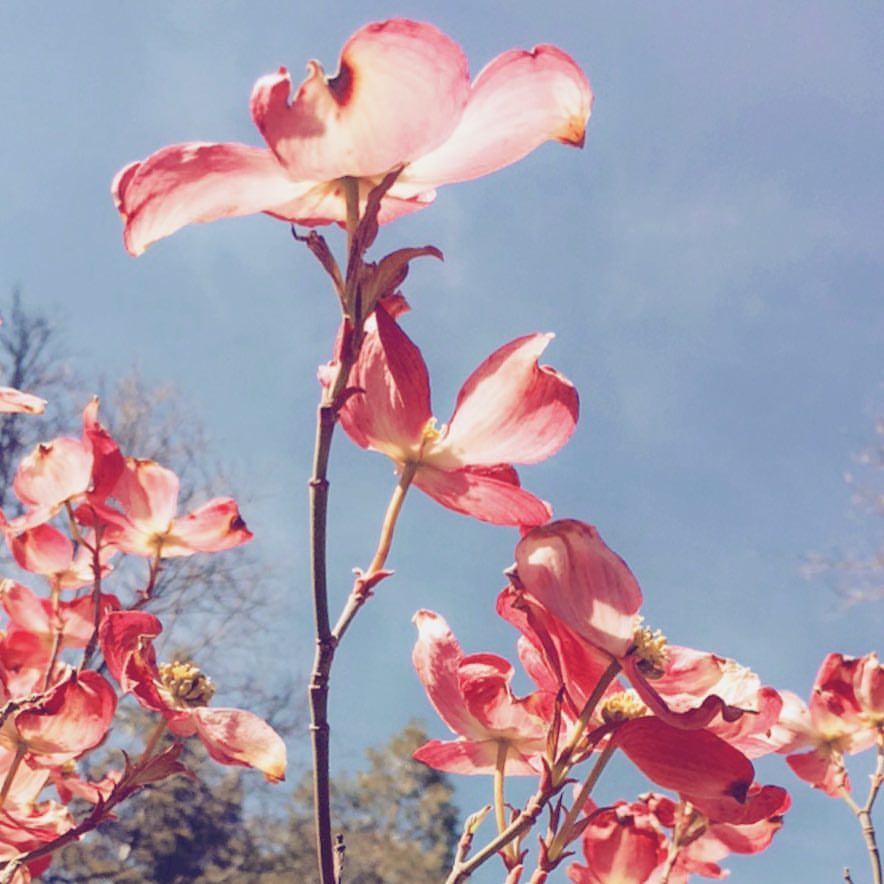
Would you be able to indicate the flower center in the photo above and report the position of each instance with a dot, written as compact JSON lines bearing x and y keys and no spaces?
{"x":650,"y":647}
{"x":623,"y":706}
{"x":185,"y":685}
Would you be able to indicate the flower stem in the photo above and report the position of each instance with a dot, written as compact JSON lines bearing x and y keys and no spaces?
{"x":366,"y":580}
{"x":563,"y":836}
{"x":499,"y":800}
{"x":57,"y":630}
{"x":563,"y":764}
{"x":153,"y":739}
{"x":20,"y":751}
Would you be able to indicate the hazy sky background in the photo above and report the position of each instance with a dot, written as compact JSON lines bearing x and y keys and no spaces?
{"x":711,"y":265}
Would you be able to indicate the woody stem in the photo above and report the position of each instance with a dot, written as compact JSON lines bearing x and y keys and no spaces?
{"x":317,"y":691}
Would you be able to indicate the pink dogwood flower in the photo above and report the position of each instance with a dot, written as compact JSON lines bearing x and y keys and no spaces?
{"x":180,"y":693}
{"x":473,"y":697}
{"x":836,"y":723}
{"x":631,"y":843}
{"x":576,"y":589}
{"x":623,"y":844}
{"x":510,"y":410}
{"x":401,"y":97}
{"x":149,"y":524}
{"x":67,"y":469}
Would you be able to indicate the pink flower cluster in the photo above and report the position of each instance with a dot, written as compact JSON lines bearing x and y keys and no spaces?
{"x":85,"y":505}
{"x":689,"y":720}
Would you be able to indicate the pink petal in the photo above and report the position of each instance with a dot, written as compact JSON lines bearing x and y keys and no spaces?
{"x":693,"y":762}
{"x":692,"y":717}
{"x":234,"y":736}
{"x":519,"y":100}
{"x":116,"y":529}
{"x":472,"y":757}
{"x":761,"y":803}
{"x":148,"y":494}
{"x":393,"y":410}
{"x":72,"y":719}
{"x":14,"y":401}
{"x":571,"y":662}
{"x":619,"y":847}
{"x":123,"y":633}
{"x":25,"y":608}
{"x":53,"y":473}
{"x":821,"y":768}
{"x":437,"y":656}
{"x":324,"y":202}
{"x":485,"y":684}
{"x":568,"y":568}
{"x":753,"y":837}
{"x":510,"y":410}
{"x":490,"y":494}
{"x":195,"y":182}
{"x":869,"y":686}
{"x":42,"y":550}
{"x":399,"y":92}
{"x":108,"y":462}
{"x":216,"y":525}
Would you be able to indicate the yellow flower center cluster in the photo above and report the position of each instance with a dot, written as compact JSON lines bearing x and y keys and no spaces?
{"x":650,"y":647}
{"x":185,"y":685}
{"x":431,"y":432}
{"x":623,"y":706}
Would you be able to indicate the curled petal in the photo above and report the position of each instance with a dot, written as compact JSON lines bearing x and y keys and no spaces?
{"x":53,"y":472}
{"x":491,"y":494}
{"x":868,"y":685}
{"x":692,"y":718}
{"x":558,"y":657}
{"x":234,"y":736}
{"x":108,"y":462}
{"x":760,"y":803}
{"x":195,"y":182}
{"x":569,"y":570}
{"x":485,"y":684}
{"x":437,"y":657}
{"x":122,"y":634}
{"x":399,"y":92}
{"x":521,"y":99}
{"x":510,"y":410}
{"x":13,"y":401}
{"x":215,"y":526}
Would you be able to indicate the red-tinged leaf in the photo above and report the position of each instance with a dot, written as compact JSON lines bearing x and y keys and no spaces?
{"x":161,"y":766}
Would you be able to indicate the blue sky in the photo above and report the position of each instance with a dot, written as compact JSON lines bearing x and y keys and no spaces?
{"x":711,"y":265}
